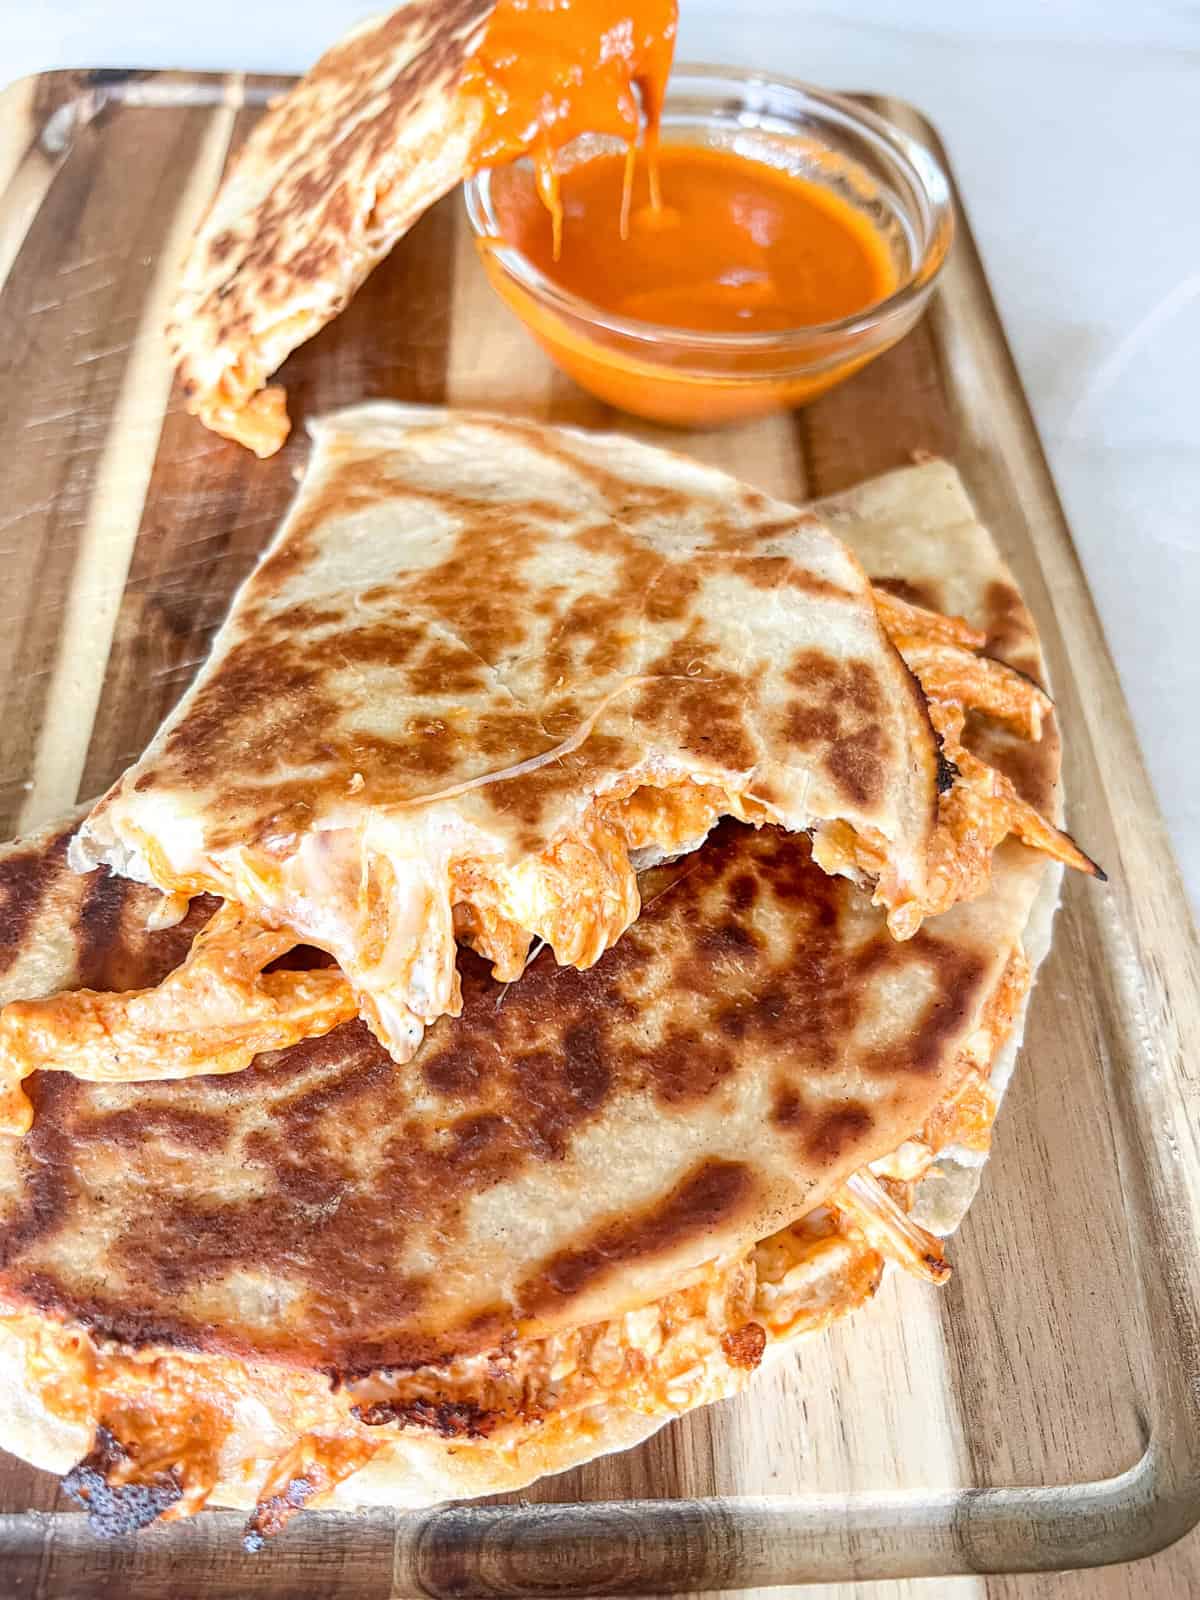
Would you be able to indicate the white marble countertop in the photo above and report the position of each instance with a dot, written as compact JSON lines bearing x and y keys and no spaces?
{"x":1075,"y":133}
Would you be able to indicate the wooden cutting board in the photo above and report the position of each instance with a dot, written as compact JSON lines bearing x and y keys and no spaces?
{"x":125,"y":528}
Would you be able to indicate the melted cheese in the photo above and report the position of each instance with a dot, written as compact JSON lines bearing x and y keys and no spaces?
{"x":888,"y":1228}
{"x":387,"y":905}
{"x":388,"y":896}
{"x":580,"y":893}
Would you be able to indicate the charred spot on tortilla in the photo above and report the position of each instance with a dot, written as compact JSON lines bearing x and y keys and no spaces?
{"x":744,"y":1346}
{"x":947,"y":772}
{"x":116,"y":1509}
{"x":452,"y":1419}
{"x":26,"y":876}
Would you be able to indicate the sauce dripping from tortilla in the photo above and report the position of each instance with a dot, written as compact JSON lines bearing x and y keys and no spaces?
{"x":550,"y":70}
{"x":734,"y":245}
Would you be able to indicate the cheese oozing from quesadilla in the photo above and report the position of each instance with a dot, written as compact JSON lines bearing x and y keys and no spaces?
{"x":485,"y":672}
{"x":371,"y":762}
{"x":389,"y":120}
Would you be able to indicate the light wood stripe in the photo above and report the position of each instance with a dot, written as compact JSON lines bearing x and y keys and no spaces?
{"x":25,"y":170}
{"x":484,"y":345}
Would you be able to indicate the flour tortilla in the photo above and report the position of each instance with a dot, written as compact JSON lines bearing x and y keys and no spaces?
{"x":468,"y":634}
{"x":257,"y":1218}
{"x":337,"y":171}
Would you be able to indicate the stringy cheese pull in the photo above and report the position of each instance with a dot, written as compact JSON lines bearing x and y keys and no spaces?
{"x":890,"y":1230}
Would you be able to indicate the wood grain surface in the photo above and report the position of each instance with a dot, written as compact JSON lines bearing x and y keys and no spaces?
{"x":125,"y":528}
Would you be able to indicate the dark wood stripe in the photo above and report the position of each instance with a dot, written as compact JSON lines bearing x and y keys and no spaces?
{"x":878,"y":419}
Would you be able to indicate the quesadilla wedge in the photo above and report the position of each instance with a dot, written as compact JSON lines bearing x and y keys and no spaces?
{"x":598,"y":1198}
{"x":387,"y":122}
{"x":485,"y":672}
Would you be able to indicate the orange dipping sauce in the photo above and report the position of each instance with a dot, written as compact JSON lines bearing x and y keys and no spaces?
{"x":768,"y":264}
{"x":735,"y":246}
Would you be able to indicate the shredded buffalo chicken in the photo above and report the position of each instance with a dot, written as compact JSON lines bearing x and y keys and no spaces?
{"x":978,"y":807}
{"x":213,"y":1014}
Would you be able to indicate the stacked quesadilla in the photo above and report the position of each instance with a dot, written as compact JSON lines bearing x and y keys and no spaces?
{"x":487,"y":672}
{"x":603,"y":1192}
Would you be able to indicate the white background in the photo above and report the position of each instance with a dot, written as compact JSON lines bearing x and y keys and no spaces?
{"x":1075,"y":133}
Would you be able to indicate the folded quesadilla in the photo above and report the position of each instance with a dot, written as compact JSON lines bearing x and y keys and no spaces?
{"x":596,"y":1200}
{"x":485,"y":673}
{"x":387,"y":122}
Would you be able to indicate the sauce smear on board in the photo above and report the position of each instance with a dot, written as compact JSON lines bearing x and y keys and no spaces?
{"x":735,"y":245}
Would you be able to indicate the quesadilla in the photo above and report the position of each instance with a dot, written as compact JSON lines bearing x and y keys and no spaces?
{"x":596,"y":1200}
{"x":485,"y":672}
{"x":387,"y":122}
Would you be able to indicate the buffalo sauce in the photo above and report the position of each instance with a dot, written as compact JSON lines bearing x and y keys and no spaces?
{"x":729,"y":244}
{"x":550,"y":70}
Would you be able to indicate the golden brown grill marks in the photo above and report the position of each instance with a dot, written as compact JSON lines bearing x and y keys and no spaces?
{"x":279,"y":711}
{"x":835,"y":1130}
{"x":344,"y":66}
{"x":839,"y":709}
{"x":114,"y":942}
{"x":916,"y":594}
{"x":856,"y":765}
{"x":1011,"y":636}
{"x":47,"y":1191}
{"x":26,"y":877}
{"x":960,"y":978}
{"x":708,"y":1197}
{"x":594,"y":633}
{"x":327,"y":1169}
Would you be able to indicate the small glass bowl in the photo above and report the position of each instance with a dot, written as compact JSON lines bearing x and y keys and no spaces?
{"x":694,"y":379}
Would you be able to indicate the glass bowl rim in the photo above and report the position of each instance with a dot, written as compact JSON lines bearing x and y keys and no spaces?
{"x":923,"y":170}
